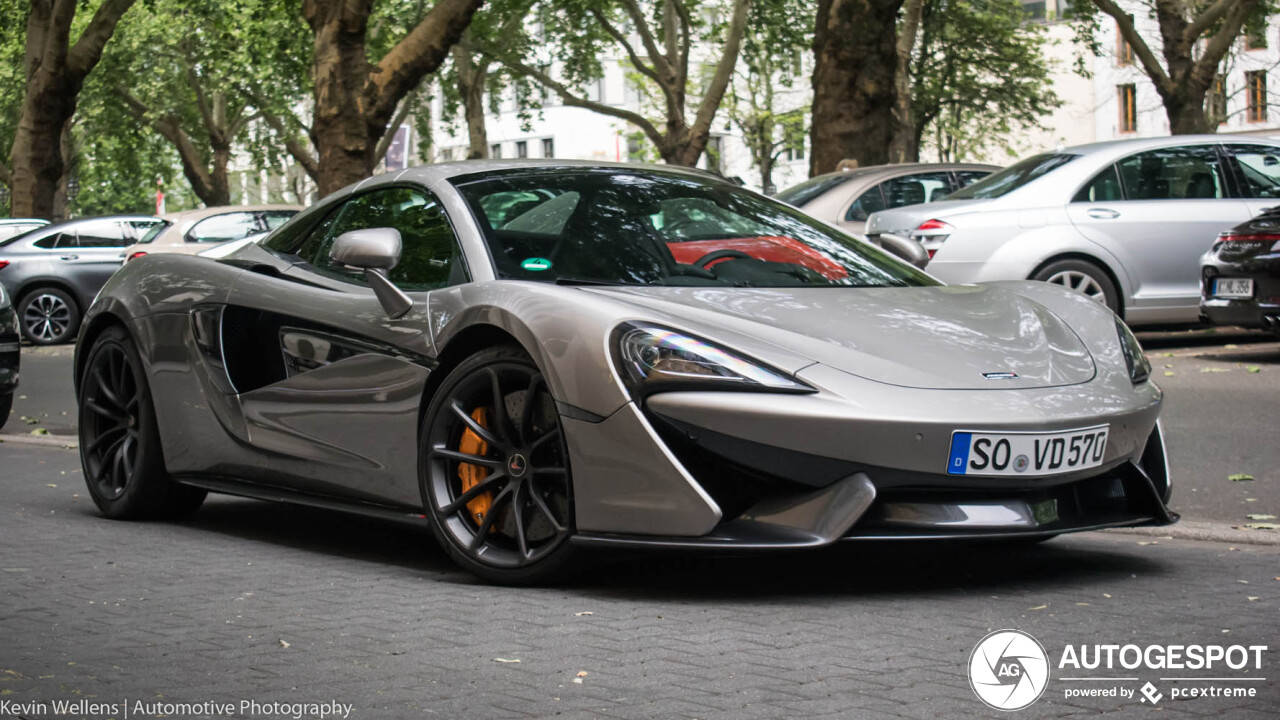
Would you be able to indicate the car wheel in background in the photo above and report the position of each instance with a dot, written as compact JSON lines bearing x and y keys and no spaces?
{"x":6,"y":405}
{"x":1083,"y":277}
{"x":48,"y":316}
{"x":494,"y":470}
{"x":120,"y":450}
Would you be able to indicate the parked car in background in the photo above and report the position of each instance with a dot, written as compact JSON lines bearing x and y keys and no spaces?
{"x":10,"y":227}
{"x":1240,"y":275}
{"x":54,"y":272}
{"x":1124,"y":222}
{"x":192,"y":231}
{"x":222,"y":250}
{"x":846,"y":198}
{"x":10,"y":354}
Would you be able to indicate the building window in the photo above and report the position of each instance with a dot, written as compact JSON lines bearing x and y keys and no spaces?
{"x":522,"y":149}
{"x":548,"y":147}
{"x":795,"y":150}
{"x":1256,"y":82}
{"x":446,"y":154}
{"x":495,"y":152}
{"x":1124,"y":51}
{"x":1128,"y":108}
{"x":1216,"y":104}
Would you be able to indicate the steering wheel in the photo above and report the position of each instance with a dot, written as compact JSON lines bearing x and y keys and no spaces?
{"x":715,"y":255}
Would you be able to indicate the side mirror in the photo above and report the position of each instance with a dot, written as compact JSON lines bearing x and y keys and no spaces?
{"x":905,"y":248}
{"x":374,"y":250}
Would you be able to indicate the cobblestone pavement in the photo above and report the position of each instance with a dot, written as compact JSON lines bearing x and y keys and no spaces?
{"x":254,"y":601}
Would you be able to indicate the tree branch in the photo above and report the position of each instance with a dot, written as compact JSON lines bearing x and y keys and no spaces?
{"x":6,"y":175}
{"x":1140,"y":48}
{"x":384,"y":143}
{"x":419,"y":53}
{"x":193,"y":163}
{"x":1211,"y":15}
{"x":568,"y":98}
{"x":84,"y":55}
{"x":289,"y":136}
{"x":621,"y":37}
{"x":659,"y":60}
{"x":1206,"y":68}
{"x":724,"y":70}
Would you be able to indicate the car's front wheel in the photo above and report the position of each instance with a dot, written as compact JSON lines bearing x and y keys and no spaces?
{"x":6,"y":406}
{"x":120,"y":439}
{"x":48,"y":316}
{"x":495,"y":470}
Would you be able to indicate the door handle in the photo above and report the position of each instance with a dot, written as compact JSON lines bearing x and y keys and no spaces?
{"x":1103,"y":214}
{"x":69,"y":257}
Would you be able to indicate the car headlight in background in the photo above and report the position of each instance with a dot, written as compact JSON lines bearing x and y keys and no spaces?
{"x":652,"y":358}
{"x":1139,"y":366}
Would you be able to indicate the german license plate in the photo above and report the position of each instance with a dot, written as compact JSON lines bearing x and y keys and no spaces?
{"x":983,"y":453}
{"x":1233,"y":287}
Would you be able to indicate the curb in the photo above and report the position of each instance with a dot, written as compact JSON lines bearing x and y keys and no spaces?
{"x":1207,"y":531}
{"x":56,"y":441}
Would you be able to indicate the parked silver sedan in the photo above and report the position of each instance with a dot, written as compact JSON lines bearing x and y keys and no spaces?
{"x":54,"y":272}
{"x":846,"y":198}
{"x":191,"y":232}
{"x":1124,"y":222}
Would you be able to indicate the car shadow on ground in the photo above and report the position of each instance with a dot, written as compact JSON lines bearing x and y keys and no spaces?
{"x":863,"y":568}
{"x":1156,"y":339}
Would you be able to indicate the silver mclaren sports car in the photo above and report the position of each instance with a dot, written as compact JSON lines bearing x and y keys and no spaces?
{"x":532,"y":358}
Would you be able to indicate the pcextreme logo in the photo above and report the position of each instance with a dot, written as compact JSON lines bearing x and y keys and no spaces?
{"x":1009,"y":670}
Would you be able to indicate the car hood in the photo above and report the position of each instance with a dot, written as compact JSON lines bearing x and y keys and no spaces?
{"x":937,"y":337}
{"x":901,"y":221}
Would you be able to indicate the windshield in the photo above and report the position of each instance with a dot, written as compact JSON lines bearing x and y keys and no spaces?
{"x":800,"y":195}
{"x":154,"y":231}
{"x":1012,"y":177}
{"x":627,"y":227}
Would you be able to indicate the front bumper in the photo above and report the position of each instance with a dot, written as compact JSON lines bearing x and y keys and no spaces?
{"x":802,"y":471}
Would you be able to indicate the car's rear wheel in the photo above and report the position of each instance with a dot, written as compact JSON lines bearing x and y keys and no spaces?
{"x":6,"y":406}
{"x":495,"y":470}
{"x":1083,"y":277}
{"x":48,"y":316}
{"x":120,"y":440}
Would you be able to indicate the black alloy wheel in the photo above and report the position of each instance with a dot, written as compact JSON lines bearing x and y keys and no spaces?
{"x":495,"y":471}
{"x":119,"y":438}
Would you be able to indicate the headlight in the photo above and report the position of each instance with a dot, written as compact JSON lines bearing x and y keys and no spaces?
{"x":1139,"y":366}
{"x":653,"y":358}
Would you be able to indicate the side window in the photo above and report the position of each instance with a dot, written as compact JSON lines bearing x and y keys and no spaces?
{"x":969,"y":177}
{"x":56,"y":240}
{"x":915,"y":189}
{"x":1104,"y":187}
{"x":429,"y":255}
{"x":1259,"y":167}
{"x":139,"y":230}
{"x":1178,"y":173}
{"x":867,"y":203}
{"x":100,"y":234}
{"x":221,"y":228}
{"x":272,"y":219}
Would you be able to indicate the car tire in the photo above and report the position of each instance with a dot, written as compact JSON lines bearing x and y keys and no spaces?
{"x":120,"y":451}
{"x":507,"y":515}
{"x":48,"y":316}
{"x":1083,"y":277}
{"x":6,"y":406}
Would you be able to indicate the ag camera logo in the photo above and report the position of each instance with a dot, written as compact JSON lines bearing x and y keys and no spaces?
{"x":1008,"y":670}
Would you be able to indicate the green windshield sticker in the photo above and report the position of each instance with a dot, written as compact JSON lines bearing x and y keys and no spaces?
{"x":536,"y":264}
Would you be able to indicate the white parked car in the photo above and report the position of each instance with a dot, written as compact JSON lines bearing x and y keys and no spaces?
{"x":1124,"y":222}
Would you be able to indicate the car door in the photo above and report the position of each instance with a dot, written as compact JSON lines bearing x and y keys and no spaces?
{"x":1172,"y":203}
{"x":323,"y":374}
{"x":90,"y":254}
{"x":1257,"y":169}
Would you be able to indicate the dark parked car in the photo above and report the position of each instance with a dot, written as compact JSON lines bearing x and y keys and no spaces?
{"x":1240,"y":275}
{"x":53,"y":273}
{"x":9,"y":353}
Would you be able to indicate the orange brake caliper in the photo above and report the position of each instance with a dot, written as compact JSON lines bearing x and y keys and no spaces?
{"x":471,"y":474}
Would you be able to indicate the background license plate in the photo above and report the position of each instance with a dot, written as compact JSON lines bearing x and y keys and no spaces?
{"x":982,"y":453}
{"x":1233,"y":287}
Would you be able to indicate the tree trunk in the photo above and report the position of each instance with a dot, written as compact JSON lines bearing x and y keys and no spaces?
{"x":471,"y":86}
{"x":904,"y":147}
{"x":354,"y":98}
{"x":856,"y":57}
{"x":55,"y":72}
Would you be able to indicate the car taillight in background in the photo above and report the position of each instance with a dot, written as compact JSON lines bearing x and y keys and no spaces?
{"x":4,"y":264}
{"x":1260,"y":238}
{"x":134,"y":255}
{"x":931,"y":234}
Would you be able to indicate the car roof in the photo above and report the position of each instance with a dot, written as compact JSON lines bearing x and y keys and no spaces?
{"x":1108,"y":147}
{"x":429,"y":174}
{"x":23,"y":221}
{"x":906,"y":168}
{"x":201,"y":213}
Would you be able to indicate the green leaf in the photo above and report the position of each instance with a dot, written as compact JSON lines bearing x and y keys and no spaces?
{"x":1240,"y":477}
